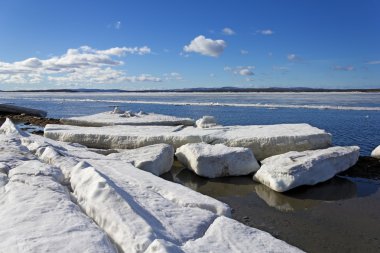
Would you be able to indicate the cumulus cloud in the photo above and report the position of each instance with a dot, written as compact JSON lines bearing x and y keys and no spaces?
{"x":293,"y":57}
{"x":76,"y":66}
{"x":117,"y":25}
{"x":173,"y":76}
{"x":241,"y":70}
{"x":344,"y":68}
{"x":205,"y":46}
{"x":265,"y":32}
{"x":228,"y":31}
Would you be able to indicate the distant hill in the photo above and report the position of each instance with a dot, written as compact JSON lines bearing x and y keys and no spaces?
{"x":219,"y":89}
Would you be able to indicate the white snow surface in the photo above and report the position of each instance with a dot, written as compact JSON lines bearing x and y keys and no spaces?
{"x":286,"y":171}
{"x":156,"y":159}
{"x":206,"y":122}
{"x":127,"y":118}
{"x":376,"y":152}
{"x":227,"y":235}
{"x":218,"y":160}
{"x":135,"y":208}
{"x":264,"y":141}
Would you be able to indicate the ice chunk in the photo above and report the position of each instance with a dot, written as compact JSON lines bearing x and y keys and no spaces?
{"x":292,"y":169}
{"x":217,"y":160}
{"x":264,"y":141}
{"x":376,"y":152}
{"x":206,"y":122}
{"x":8,"y":128}
{"x":156,"y":159}
{"x":227,"y":235}
{"x":129,"y":118}
{"x":37,"y":215}
{"x":132,"y":214}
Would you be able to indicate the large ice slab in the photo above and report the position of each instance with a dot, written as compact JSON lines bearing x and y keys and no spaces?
{"x":264,"y":141}
{"x":227,"y":235}
{"x":376,"y":152}
{"x":37,"y":215}
{"x":217,"y":160}
{"x":127,"y":118}
{"x":156,"y":159}
{"x":286,"y":171}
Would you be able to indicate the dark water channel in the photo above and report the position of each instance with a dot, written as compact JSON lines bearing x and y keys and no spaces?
{"x":340,"y":215}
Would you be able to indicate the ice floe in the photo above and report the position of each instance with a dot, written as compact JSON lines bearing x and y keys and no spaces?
{"x":206,"y":122}
{"x":227,"y":235}
{"x":217,"y":160}
{"x":286,"y":171}
{"x":156,"y":159}
{"x":376,"y":152}
{"x":37,"y":215}
{"x":264,"y":141}
{"x":118,"y":117}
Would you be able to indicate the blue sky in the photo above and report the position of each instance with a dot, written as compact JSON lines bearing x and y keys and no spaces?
{"x":180,"y":44}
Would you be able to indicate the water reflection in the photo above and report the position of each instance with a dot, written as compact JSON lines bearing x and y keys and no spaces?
{"x":301,"y":198}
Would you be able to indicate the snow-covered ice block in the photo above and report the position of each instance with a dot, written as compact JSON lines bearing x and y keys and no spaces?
{"x":217,"y":160}
{"x":264,"y":141}
{"x":108,"y":119}
{"x":37,"y":215}
{"x":131,"y":213}
{"x":156,"y":159}
{"x":206,"y":122}
{"x":376,"y":152}
{"x":227,"y":235}
{"x":292,"y":169}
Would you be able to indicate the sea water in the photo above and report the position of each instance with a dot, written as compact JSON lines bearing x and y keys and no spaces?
{"x":352,"y":118}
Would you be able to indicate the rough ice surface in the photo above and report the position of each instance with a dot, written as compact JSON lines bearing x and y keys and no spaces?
{"x":156,"y":159}
{"x":376,"y":152}
{"x":286,"y":171}
{"x":227,"y":235}
{"x":36,"y":210}
{"x":264,"y":141}
{"x":217,"y":160}
{"x":206,"y":122}
{"x":127,"y":118}
{"x":134,"y":208}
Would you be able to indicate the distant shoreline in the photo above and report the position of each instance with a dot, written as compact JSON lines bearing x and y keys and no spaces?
{"x":209,"y":90}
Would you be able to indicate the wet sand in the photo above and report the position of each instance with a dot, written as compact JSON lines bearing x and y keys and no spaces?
{"x":340,"y":215}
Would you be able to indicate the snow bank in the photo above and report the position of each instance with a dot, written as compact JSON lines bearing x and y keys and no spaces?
{"x":127,"y":118}
{"x":206,"y":122}
{"x":156,"y":159}
{"x":217,"y":160}
{"x":264,"y":141}
{"x":376,"y":152}
{"x":292,"y":169}
{"x":37,"y":215}
{"x":227,"y":235}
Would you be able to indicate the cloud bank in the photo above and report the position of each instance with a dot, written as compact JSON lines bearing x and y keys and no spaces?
{"x":83,"y":65}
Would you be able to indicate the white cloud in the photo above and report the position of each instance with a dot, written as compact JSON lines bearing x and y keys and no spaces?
{"x":173,"y":76}
{"x":243,"y":52}
{"x":344,"y":68}
{"x":373,"y":62}
{"x":206,"y":46}
{"x":228,"y":31}
{"x":76,"y":66}
{"x":265,"y":32}
{"x":280,"y":68}
{"x":241,"y":70}
{"x":117,"y":25}
{"x":293,"y":57}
